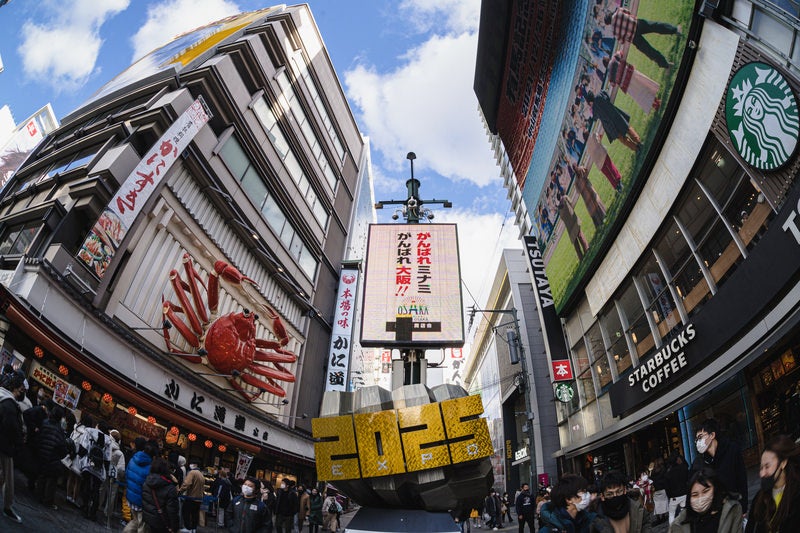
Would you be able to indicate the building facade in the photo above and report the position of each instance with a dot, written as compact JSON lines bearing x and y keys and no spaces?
{"x":216,"y":175}
{"x":677,"y":284}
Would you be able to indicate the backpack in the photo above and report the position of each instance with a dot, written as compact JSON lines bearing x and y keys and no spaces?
{"x":96,"y":454}
{"x":333,"y":508}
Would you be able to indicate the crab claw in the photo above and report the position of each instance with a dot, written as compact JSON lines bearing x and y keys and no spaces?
{"x":231,"y":274}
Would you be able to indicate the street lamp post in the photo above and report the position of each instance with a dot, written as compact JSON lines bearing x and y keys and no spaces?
{"x":517,"y":355}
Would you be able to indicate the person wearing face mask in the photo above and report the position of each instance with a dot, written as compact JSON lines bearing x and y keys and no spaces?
{"x":567,"y":510}
{"x":250,"y":514}
{"x":724,"y":456}
{"x":51,"y":448}
{"x":11,"y":437}
{"x":314,"y":511}
{"x":286,"y":505}
{"x":709,"y":508}
{"x":775,"y":507}
{"x":618,"y":513}
{"x":330,"y":512}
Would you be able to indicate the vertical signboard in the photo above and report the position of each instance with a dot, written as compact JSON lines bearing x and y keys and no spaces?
{"x":339,"y":351}
{"x":412,"y":287}
{"x":23,"y":140}
{"x":116,"y":219}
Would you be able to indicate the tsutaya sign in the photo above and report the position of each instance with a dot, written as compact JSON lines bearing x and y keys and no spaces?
{"x":107,"y":235}
{"x":553,"y":334}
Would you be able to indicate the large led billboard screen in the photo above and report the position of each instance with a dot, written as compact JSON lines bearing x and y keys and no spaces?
{"x":624,"y":72}
{"x":412,"y":287}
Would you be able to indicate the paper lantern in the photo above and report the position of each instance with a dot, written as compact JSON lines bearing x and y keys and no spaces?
{"x":209,"y":444}
{"x":86,"y":386}
{"x":151,"y":419}
{"x":63,"y":370}
{"x":38,"y":352}
{"x":174,"y":430}
{"x":108,"y":398}
{"x":192,"y":437}
{"x":132,"y":410}
{"x":222,"y":448}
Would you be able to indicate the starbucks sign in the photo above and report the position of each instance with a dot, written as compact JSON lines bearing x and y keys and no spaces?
{"x":564,"y":392}
{"x":762,"y":116}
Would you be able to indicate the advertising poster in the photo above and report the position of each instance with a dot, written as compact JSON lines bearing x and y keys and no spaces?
{"x":66,"y":395}
{"x":243,"y":465}
{"x":412,"y":287}
{"x":23,"y":140}
{"x":625,"y":67}
{"x":116,"y":219}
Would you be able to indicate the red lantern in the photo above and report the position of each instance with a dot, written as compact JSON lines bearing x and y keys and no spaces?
{"x":222,"y":448}
{"x":151,"y":419}
{"x":38,"y":352}
{"x":132,"y":410}
{"x":192,"y":437}
{"x":63,"y":370}
{"x":108,"y":398}
{"x":174,"y":430}
{"x":209,"y":444}
{"x":86,"y":386}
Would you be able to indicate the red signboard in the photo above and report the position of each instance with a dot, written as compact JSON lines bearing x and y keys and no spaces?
{"x":562,"y":370}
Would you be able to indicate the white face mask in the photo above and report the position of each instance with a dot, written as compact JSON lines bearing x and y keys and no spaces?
{"x":702,"y":445}
{"x":283,"y":485}
{"x":586,"y":498}
{"x":702,"y":503}
{"x":247,"y":491}
{"x":644,"y":478}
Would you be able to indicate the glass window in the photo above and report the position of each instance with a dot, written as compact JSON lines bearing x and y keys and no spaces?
{"x":603,"y":373}
{"x":594,"y":339}
{"x":308,"y":263}
{"x":638,"y":327}
{"x":687,"y":278}
{"x":18,"y":239}
{"x":586,"y":387}
{"x":579,"y":357}
{"x":254,"y":186}
{"x":234,"y":157}
{"x":618,"y":346}
{"x":660,"y":304}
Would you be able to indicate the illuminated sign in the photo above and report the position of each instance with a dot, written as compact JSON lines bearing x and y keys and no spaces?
{"x":341,"y":335}
{"x":105,"y":237}
{"x":762,"y":116}
{"x":396,"y":441}
{"x":412,"y":287}
{"x":562,"y":370}
{"x":565,"y":392}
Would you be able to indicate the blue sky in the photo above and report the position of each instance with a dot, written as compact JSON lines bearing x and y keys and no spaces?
{"x":406,"y":68}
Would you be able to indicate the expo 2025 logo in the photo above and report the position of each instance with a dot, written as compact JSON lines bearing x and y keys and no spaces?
{"x":762,"y":115}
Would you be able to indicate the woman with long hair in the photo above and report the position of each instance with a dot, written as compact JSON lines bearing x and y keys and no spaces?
{"x":709,"y":509}
{"x":775,"y":507}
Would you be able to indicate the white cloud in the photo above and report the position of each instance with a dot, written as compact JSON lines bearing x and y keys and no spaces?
{"x":171,"y":18}
{"x":427,"y":105}
{"x":63,"y":50}
{"x":444,"y":15}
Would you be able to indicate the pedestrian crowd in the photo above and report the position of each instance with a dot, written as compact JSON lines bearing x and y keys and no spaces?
{"x":155,"y":491}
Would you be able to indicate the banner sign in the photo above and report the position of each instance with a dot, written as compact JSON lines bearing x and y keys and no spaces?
{"x":64,"y":393}
{"x":412,"y":287}
{"x":243,"y":465}
{"x":111,"y":228}
{"x":339,"y":351}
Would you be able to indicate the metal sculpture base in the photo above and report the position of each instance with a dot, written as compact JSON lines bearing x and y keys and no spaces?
{"x":376,"y":520}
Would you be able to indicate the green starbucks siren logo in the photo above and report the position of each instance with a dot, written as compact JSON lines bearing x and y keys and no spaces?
{"x":761,"y":111}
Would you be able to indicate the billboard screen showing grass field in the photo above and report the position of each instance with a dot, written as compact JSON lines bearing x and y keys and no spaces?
{"x":625,"y":69}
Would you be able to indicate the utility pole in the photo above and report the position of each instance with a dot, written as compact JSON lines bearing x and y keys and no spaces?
{"x":517,"y":355}
{"x":413,"y":209}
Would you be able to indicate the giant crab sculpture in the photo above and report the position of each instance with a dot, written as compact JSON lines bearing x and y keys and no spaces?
{"x":228,"y":342}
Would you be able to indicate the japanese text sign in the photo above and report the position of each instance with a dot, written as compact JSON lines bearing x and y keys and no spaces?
{"x":341,"y":336}
{"x":562,"y":370}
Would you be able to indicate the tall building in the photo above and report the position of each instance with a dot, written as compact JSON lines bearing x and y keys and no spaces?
{"x":658,"y":181}
{"x":171,"y":253}
{"x":523,"y":434}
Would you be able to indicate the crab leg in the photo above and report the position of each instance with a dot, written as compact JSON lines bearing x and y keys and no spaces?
{"x":277,"y":327}
{"x":247,"y":395}
{"x":169,"y":310}
{"x":261,"y":384}
{"x":193,"y":277}
{"x":274,"y":357}
{"x":180,"y":292}
{"x":273,"y":373}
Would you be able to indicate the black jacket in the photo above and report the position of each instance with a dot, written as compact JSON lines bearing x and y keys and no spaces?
{"x":250,"y":515}
{"x":51,"y":444}
{"x":11,"y":436}
{"x":676,"y":480}
{"x":221,"y":489}
{"x":525,"y":505}
{"x":729,"y":465}
{"x":34,"y":418}
{"x":286,"y":503}
{"x":166,"y":493}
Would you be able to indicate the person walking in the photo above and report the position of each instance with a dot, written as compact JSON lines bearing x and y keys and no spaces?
{"x":116,"y":474}
{"x":676,"y":482}
{"x":221,"y":490}
{"x":724,"y":456}
{"x":330,"y":512}
{"x":286,"y":505}
{"x":616,"y":122}
{"x":775,"y":507}
{"x":135,"y":475}
{"x":51,"y":446}
{"x":192,"y":489}
{"x":709,"y":507}
{"x":160,"y":499}
{"x":567,"y":509}
{"x":617,"y":512}
{"x":11,"y":436}
{"x":72,"y":462}
{"x":94,"y":452}
{"x":249,"y":513}
{"x":491,"y":511}
{"x":525,"y":507}
{"x":315,"y":502}
{"x":303,"y":506}
{"x":628,"y":28}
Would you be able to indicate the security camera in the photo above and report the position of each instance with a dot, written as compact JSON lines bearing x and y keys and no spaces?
{"x":412,"y":203}
{"x":430,"y":216}
{"x":395,"y":217}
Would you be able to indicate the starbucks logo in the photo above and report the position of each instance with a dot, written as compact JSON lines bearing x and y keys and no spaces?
{"x":762,"y":115}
